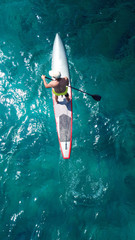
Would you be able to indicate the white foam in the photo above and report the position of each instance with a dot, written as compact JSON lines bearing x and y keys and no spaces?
{"x":2,"y":74}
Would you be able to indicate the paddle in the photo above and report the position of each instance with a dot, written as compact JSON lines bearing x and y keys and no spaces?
{"x":94,"y":96}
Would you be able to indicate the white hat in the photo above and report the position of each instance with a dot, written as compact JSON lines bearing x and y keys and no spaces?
{"x":55,"y":74}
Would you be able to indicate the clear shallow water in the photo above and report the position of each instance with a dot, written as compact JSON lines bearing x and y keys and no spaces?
{"x":90,"y":196}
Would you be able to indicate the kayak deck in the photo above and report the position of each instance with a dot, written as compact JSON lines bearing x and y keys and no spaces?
{"x":63,"y":118}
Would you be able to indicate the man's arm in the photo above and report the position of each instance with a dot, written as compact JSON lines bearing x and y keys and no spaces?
{"x":50,"y":84}
{"x":67,"y":80}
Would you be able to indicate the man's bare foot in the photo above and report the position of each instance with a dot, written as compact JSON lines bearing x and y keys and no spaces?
{"x":68,"y":98}
{"x":56,"y":99}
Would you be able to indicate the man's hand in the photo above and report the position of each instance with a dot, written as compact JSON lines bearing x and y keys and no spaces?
{"x":43,"y":77}
{"x":45,"y":83}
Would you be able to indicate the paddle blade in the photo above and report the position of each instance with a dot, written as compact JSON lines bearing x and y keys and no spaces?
{"x":96,"y":97}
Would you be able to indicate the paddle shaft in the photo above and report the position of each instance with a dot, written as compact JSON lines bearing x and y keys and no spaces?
{"x":95,"y":97}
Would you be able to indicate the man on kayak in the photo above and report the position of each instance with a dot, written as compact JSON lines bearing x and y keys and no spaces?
{"x":59,"y":85}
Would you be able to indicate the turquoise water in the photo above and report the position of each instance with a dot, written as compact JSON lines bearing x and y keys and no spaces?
{"x":92,"y":195}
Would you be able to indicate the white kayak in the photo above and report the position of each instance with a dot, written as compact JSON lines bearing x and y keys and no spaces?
{"x":62,"y":109}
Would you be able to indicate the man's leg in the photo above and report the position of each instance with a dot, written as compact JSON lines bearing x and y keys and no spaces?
{"x":67,"y":97}
{"x":56,"y":99}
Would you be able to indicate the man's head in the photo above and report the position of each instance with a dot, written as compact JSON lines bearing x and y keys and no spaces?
{"x":55,"y":74}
